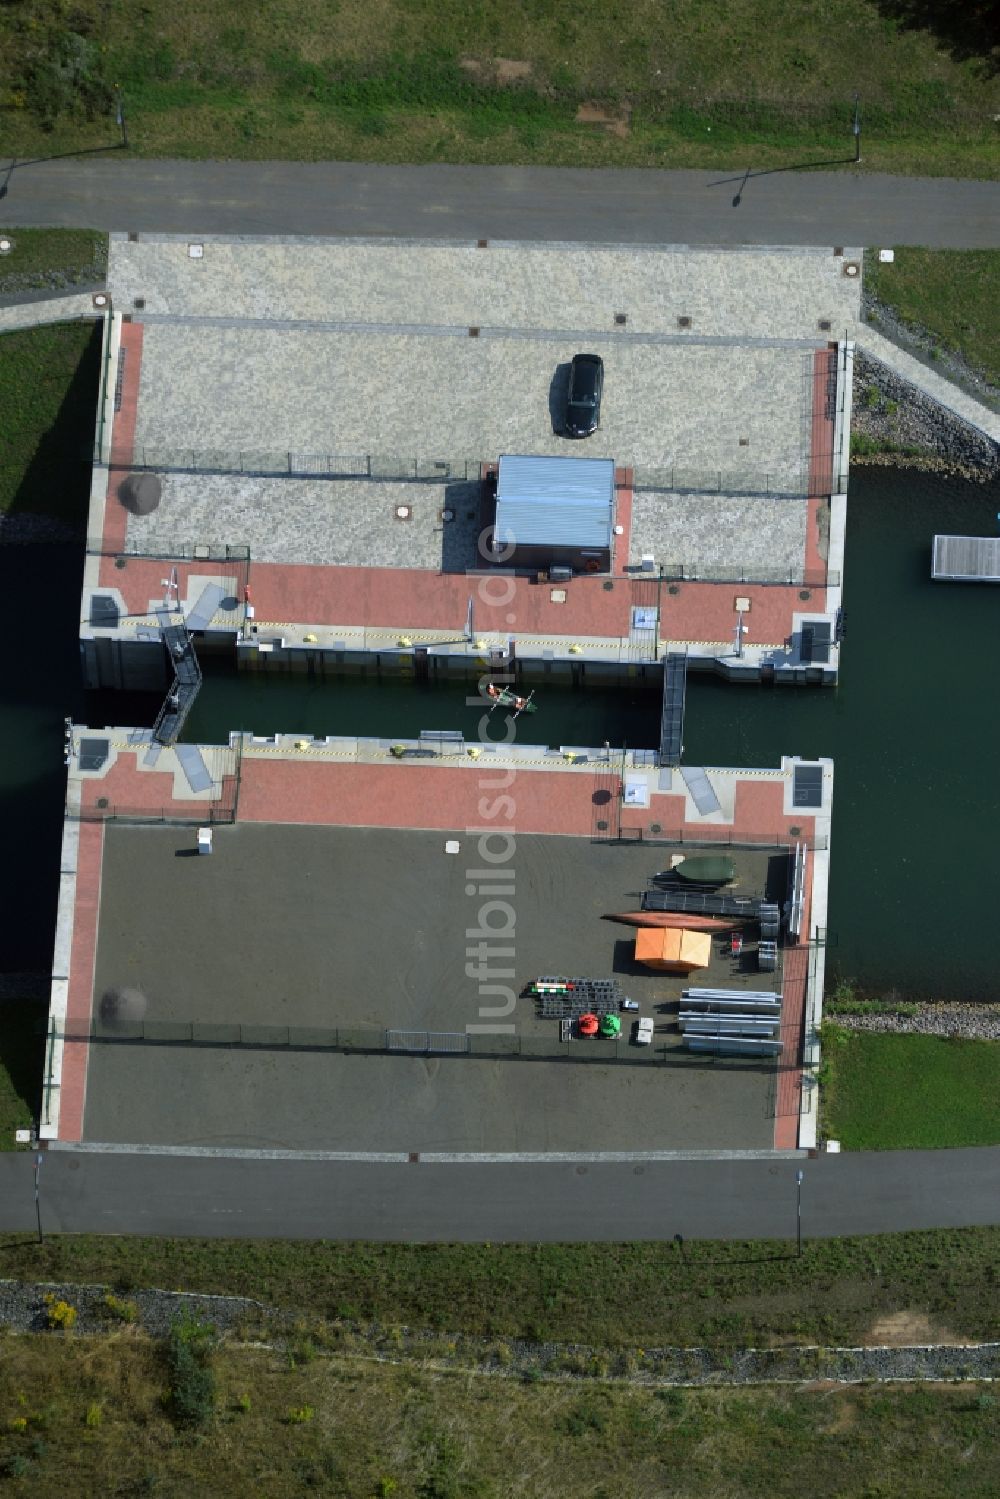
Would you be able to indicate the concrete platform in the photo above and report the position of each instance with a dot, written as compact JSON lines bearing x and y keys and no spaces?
{"x":360,"y":929}
{"x":768,"y":292}
{"x":207,"y":390}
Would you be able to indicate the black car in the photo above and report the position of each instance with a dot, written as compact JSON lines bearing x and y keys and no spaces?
{"x":583,"y":398}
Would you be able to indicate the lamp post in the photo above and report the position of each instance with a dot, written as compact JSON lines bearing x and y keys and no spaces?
{"x":856,"y":128}
{"x":798,"y":1213}
{"x":38,"y":1204}
{"x":120,"y":114}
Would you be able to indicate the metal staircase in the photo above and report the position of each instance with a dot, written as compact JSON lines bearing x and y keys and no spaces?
{"x":187,"y":678}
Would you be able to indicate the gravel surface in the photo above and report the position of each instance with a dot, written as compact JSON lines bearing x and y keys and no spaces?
{"x":23,"y":1309}
{"x":888,"y":409}
{"x":974,"y":1022}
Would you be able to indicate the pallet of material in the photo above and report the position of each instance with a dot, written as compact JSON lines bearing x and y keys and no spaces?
{"x":755,"y":994}
{"x":730,"y":1007}
{"x":735,"y":1046}
{"x":729,"y":1025}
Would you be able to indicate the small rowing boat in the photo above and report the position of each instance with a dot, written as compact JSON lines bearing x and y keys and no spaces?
{"x":680,"y":919}
{"x":502,"y":697}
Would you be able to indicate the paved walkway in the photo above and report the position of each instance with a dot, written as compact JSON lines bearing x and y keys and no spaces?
{"x":33,"y":312}
{"x":277,"y":1196}
{"x":932,"y":384}
{"x":407,"y":284}
{"x":794,"y":206}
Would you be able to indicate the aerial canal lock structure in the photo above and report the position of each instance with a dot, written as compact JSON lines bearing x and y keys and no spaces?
{"x":337,"y":457}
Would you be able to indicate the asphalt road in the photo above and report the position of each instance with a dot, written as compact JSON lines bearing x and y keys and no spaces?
{"x":134,"y":1192}
{"x":791,"y":207}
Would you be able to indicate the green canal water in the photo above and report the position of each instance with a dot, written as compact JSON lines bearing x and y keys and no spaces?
{"x":913,"y":728}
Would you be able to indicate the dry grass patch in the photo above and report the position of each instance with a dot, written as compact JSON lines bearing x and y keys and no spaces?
{"x":91,"y":1416}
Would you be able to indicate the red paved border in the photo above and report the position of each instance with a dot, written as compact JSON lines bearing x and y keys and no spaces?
{"x":130,"y":789}
{"x":79,"y":1004}
{"x":624,"y":480}
{"x":122,"y":439}
{"x":788,"y":1093}
{"x":412,"y":794}
{"x":821,"y":445}
{"x":409,"y":599}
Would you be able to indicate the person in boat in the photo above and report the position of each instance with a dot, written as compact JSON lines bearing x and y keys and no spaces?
{"x":507,"y":699}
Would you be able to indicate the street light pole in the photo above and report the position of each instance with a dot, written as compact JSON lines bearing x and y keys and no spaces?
{"x":38,"y":1204}
{"x":798,"y":1213}
{"x":856,"y":128}
{"x":120,"y":115}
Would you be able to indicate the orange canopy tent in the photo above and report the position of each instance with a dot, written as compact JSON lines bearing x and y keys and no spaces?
{"x":672,"y":949}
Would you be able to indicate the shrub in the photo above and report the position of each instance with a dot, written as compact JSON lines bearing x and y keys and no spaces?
{"x":192,"y":1378}
{"x":119,"y":1309}
{"x":92,"y":1420}
{"x":64,"y":75}
{"x":300,"y":1415}
{"x":58,"y":1313}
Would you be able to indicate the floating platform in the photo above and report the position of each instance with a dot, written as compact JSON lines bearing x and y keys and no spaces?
{"x":966,"y":559}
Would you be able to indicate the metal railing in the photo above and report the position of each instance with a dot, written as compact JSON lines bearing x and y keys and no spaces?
{"x":708,"y":837}
{"x":223,"y":810}
{"x":677,"y":478}
{"x":285,"y":463}
{"x":372,"y":1041}
{"x":168,"y":549}
{"x":778,"y":577}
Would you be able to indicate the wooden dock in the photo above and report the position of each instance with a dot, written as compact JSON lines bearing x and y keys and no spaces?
{"x":966,"y":559}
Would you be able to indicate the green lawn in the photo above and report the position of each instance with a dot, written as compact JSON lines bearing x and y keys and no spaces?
{"x":22,"y":1055}
{"x":731,"y":1294}
{"x":49,"y":381}
{"x":44,"y":259}
{"x":88,"y":1416}
{"x":888,"y":1092}
{"x":954,"y":295}
{"x":717,"y":83}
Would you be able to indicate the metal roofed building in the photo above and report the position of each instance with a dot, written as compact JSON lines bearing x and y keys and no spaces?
{"x":555,"y":511}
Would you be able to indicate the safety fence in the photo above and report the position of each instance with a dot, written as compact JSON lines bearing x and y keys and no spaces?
{"x":708,"y":837}
{"x":221,"y":810}
{"x":789,"y":481}
{"x":379,"y":1041}
{"x":169,"y":549}
{"x":644,"y":581}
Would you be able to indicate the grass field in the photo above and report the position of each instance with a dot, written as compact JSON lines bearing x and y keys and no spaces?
{"x":889,"y":1092}
{"x":90,"y":1416}
{"x":44,"y":259}
{"x":954,"y":295}
{"x":48,"y":398}
{"x":698,"y":83}
{"x":22,"y":1053}
{"x":732,"y":1294}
